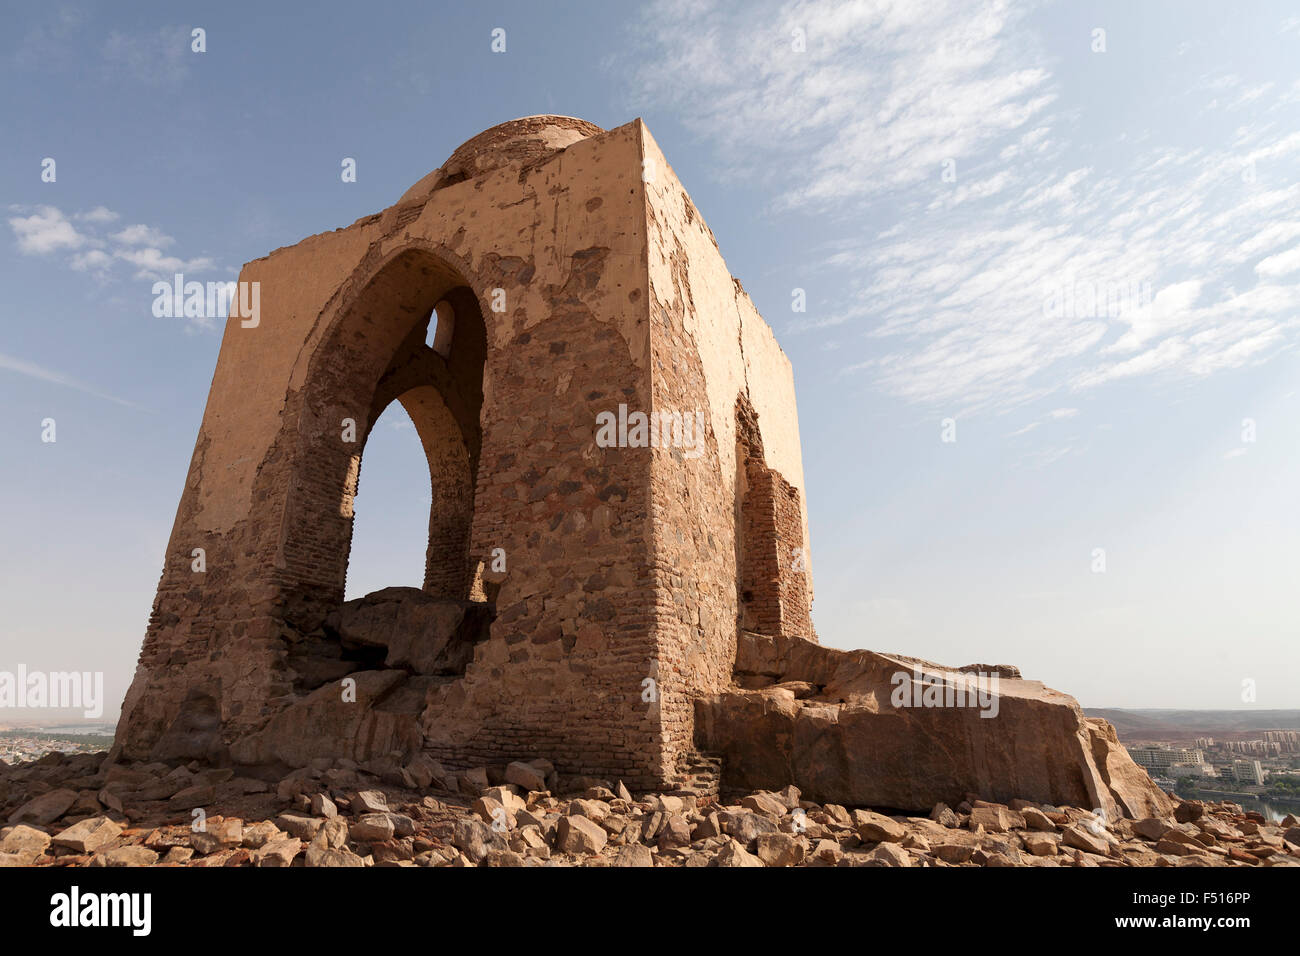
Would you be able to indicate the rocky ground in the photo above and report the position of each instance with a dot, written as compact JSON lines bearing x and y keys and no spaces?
{"x":68,"y":811}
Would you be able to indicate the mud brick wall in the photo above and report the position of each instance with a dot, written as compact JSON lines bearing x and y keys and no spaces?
{"x":774,"y":594}
{"x":710,"y":348}
{"x":579,"y":284}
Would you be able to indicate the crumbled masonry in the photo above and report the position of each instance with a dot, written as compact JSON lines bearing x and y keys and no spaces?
{"x":384,"y":813}
{"x":617,"y":578}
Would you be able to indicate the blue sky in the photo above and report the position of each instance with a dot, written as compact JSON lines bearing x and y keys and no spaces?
{"x":934,"y":176}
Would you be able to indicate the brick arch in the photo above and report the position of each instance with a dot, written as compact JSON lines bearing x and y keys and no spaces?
{"x":370,"y":353}
{"x":452,"y":457}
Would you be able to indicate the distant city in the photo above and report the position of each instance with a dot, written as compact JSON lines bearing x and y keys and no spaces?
{"x":29,"y":740}
{"x":1216,"y":755}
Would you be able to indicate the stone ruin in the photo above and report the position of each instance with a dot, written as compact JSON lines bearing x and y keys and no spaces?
{"x":617,"y":574}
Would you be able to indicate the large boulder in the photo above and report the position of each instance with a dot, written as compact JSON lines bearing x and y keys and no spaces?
{"x":419,"y":632}
{"x":888,"y":731}
{"x":45,"y":808}
{"x":374,"y":716}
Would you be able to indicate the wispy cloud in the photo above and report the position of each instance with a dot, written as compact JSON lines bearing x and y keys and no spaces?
{"x":32,"y":370}
{"x":865,"y":98}
{"x":1055,"y":415}
{"x":995,"y":268}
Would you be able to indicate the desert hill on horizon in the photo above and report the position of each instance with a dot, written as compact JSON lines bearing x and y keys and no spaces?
{"x":1159,"y":724}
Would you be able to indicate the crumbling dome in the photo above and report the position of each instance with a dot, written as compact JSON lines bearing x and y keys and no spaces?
{"x":526,"y":141}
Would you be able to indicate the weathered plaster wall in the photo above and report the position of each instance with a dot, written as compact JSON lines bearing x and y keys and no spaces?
{"x":619,"y":603}
{"x":703,"y":330}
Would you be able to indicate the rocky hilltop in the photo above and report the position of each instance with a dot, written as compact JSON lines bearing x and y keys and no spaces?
{"x":81,"y":811}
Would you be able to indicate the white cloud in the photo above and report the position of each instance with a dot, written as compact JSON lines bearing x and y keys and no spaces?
{"x":151,"y":263}
{"x":1169,"y":310}
{"x":881,"y":97}
{"x":142,"y":235}
{"x":1163,"y":356}
{"x":100,"y":214}
{"x":92,"y":260}
{"x":949,"y":281}
{"x":1055,"y":415}
{"x":46,"y":230}
{"x":1280,"y":264}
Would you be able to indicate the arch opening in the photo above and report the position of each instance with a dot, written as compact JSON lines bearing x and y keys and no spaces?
{"x":389,"y":541}
{"x":380,"y":351}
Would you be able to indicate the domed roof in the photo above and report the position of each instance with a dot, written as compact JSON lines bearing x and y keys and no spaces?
{"x":526,"y":141}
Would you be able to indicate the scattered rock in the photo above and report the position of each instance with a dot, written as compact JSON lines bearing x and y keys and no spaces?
{"x":525,"y":775}
{"x":1080,"y":838}
{"x":219,"y":833}
{"x":192,"y":797}
{"x":259,"y":834}
{"x":339,"y":857}
{"x":733,"y":854}
{"x":889,"y":854}
{"x":472,"y":838}
{"x":780,"y":849}
{"x":88,"y":835}
{"x":634,"y":854}
{"x":304,"y":828}
{"x":44,"y":809}
{"x":25,"y":842}
{"x":765,"y":803}
{"x":132,"y":855}
{"x":745,"y":825}
{"x":278,"y":852}
{"x":952,"y":852}
{"x":877,"y":828}
{"x":1036,"y":819}
{"x":943,"y":815}
{"x":577,"y":834}
{"x":827,"y":851}
{"x":1040,"y":844}
{"x":369,"y":801}
{"x":371,"y":828}
{"x":1151,"y":828}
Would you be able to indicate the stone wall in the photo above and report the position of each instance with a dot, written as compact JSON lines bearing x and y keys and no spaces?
{"x":578,"y":286}
{"x":709,"y":350}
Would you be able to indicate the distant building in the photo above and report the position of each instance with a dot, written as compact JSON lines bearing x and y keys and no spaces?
{"x":1163,"y":758}
{"x":1248,"y":771}
{"x":1261,"y":748}
{"x":1288,"y":741}
{"x":1191,"y":770}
